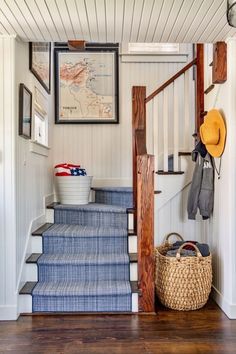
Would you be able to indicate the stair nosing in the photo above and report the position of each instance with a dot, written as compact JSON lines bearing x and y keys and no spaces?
{"x":42,"y":229}
{"x":110,"y":190}
{"x":29,"y":286}
{"x":160,"y":172}
{"x":122,"y":209}
{"x":34,"y":257}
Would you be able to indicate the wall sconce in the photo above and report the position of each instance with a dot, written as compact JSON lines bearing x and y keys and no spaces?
{"x":231,"y":12}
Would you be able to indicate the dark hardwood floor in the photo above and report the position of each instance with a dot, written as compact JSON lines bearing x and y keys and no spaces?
{"x":205,"y":331}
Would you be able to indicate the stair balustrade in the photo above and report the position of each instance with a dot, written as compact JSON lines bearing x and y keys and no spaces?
{"x":145,"y":164}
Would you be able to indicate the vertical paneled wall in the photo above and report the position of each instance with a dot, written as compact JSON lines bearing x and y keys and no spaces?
{"x":222,"y":226}
{"x":25,"y":177}
{"x":173,"y":217}
{"x":34,"y":171}
{"x":7,"y":180}
{"x":105,"y":150}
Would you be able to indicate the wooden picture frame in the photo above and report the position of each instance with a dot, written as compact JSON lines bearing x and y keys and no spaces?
{"x":40,"y":63}
{"x":86,"y":85}
{"x":25,"y":112}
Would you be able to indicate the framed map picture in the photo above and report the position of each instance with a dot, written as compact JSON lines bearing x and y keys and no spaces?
{"x":86,"y":86}
{"x":40,"y":63}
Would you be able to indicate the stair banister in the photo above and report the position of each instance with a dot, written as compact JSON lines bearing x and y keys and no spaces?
{"x":143,"y":166}
{"x":171,"y":80}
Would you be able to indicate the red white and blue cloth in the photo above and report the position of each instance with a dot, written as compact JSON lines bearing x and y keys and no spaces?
{"x":67,"y":169}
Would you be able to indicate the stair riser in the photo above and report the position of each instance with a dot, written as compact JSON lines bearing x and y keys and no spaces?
{"x":31,"y":272}
{"x":25,"y":303}
{"x":73,"y":245}
{"x":83,"y":272}
{"x":50,"y":218}
{"x":99,"y":219}
{"x":36,"y":244}
{"x":82,"y":303}
{"x":114,"y":198}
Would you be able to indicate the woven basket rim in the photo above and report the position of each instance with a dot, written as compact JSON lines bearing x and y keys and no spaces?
{"x":175,"y":259}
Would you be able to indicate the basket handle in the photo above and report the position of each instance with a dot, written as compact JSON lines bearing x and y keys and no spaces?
{"x":178,"y":256}
{"x":166,"y":240}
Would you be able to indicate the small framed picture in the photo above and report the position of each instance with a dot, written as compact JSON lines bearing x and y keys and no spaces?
{"x":25,"y":112}
{"x":40,"y":63}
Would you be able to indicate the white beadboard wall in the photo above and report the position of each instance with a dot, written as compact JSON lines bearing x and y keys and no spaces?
{"x":105,"y":150}
{"x":173,"y":217}
{"x":221,"y":229}
{"x":8,"y":307}
{"x":34,"y":171}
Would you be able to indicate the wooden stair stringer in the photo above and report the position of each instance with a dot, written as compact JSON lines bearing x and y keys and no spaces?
{"x":172,"y":184}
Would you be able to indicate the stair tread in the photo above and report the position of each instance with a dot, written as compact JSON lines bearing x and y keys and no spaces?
{"x":33,"y":258}
{"x":79,"y":258}
{"x":96,"y":207}
{"x":133,"y":257}
{"x":157,"y":192}
{"x":28,"y":287}
{"x":84,"y":288}
{"x":74,"y":230}
{"x":114,"y":189}
{"x":42,"y":229}
{"x":161,"y":172}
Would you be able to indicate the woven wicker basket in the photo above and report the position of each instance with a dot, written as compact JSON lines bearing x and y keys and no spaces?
{"x":182,"y":283}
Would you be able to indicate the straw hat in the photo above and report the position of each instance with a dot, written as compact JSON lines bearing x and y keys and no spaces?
{"x":213,"y":133}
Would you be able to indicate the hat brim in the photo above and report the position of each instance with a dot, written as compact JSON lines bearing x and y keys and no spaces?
{"x":214,"y":117}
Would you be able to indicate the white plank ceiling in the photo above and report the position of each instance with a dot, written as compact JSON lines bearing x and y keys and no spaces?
{"x":179,"y":21}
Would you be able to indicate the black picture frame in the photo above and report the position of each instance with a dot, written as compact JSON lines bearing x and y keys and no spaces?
{"x":60,"y":49}
{"x":43,"y":63}
{"x":25,"y":112}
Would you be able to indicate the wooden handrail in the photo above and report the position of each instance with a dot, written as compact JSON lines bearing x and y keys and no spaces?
{"x":200,"y":111}
{"x":171,"y":80}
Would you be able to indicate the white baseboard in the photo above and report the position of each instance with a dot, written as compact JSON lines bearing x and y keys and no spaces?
{"x":30,"y":244}
{"x":25,"y":304}
{"x":134,"y":302}
{"x":48,"y":199}
{"x":8,"y":313}
{"x":228,"y":308}
{"x":37,"y":222}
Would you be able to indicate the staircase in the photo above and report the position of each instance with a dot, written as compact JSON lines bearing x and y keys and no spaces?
{"x":88,"y":261}
{"x":100,"y":257}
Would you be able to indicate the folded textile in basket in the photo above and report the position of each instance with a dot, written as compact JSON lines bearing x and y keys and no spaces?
{"x":203,"y":247}
{"x":68,"y":169}
{"x":184,"y":253}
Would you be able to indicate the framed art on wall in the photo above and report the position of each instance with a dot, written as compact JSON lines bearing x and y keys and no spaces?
{"x":25,"y":112}
{"x":86,"y":85}
{"x":40,"y":63}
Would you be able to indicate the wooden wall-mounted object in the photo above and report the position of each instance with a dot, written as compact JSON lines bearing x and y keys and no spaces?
{"x":76,"y":45}
{"x":219,"y":67}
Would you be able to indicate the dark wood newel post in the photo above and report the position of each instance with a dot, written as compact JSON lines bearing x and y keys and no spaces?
{"x":145,"y":232}
{"x":143,"y":194}
{"x":138,"y":124}
{"x":200,"y":87}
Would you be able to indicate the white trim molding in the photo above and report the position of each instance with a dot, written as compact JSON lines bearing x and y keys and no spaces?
{"x":8,"y":313}
{"x":8,"y":128}
{"x":225,"y":305}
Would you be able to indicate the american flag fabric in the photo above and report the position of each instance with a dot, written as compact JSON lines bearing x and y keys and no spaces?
{"x":68,"y":169}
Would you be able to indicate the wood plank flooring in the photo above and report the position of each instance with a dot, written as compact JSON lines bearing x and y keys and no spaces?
{"x":206,"y":331}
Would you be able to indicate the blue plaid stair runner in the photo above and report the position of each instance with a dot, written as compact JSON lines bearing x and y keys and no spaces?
{"x":85,"y":263}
